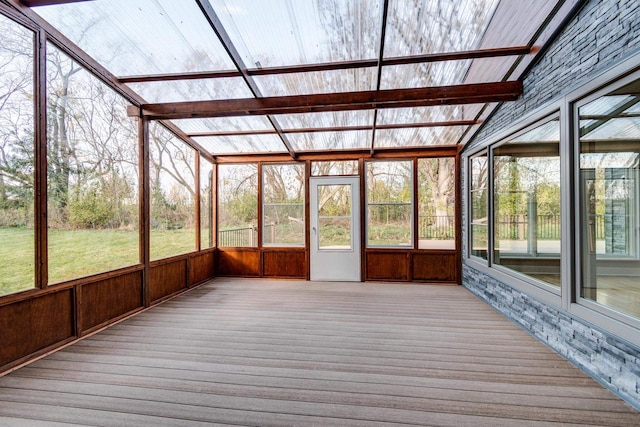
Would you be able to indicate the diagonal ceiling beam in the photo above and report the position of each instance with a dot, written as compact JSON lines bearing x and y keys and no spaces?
{"x":383,"y":31}
{"x":332,"y":66}
{"x":235,"y":56}
{"x":363,"y":100}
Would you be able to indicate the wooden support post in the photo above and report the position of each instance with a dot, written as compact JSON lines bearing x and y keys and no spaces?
{"x":145,"y":205}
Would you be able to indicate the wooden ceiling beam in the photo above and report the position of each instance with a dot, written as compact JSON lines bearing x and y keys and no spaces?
{"x":332,"y":66}
{"x":335,"y":128}
{"x":362,"y":100}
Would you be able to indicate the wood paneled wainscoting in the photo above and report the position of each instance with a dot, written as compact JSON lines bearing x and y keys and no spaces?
{"x":264,"y":262}
{"x":400,"y":265}
{"x":38,"y":321}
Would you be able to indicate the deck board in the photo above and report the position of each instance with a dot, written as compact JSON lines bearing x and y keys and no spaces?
{"x":267,"y":352}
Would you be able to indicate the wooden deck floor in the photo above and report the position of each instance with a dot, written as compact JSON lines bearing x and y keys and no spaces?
{"x":251,"y":352}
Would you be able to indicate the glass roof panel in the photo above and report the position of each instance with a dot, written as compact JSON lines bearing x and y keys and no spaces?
{"x":223,"y":124}
{"x":317,"y":82}
{"x":440,"y":113}
{"x":433,"y":26}
{"x":246,"y":144}
{"x":418,"y":137}
{"x":141,"y":37}
{"x":606,"y":105}
{"x":614,"y":129}
{"x":442,"y":73}
{"x":292,"y":32}
{"x":346,"y":140}
{"x":326,"y":119}
{"x":193,"y":90}
{"x":549,"y":131}
{"x":424,"y":75}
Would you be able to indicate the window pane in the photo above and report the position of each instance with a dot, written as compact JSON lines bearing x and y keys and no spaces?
{"x":283,"y":205}
{"x":172,"y":187}
{"x":527,"y":203}
{"x":436,"y":203}
{"x":17,"y":256}
{"x":238,"y":205}
{"x":337,"y":168}
{"x":389,"y":201}
{"x":334,"y":217}
{"x":479,"y":212}
{"x":92,"y":154}
{"x":206,"y":200}
{"x":609,"y":203}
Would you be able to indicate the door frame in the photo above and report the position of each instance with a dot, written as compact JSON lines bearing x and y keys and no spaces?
{"x":356,"y":250}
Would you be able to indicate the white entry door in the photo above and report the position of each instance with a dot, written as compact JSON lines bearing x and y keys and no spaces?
{"x":335,"y":229}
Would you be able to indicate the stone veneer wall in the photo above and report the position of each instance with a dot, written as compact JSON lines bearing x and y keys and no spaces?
{"x":610,"y":360}
{"x":601,"y":35}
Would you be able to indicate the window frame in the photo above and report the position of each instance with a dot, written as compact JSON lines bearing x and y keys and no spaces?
{"x":218,"y":200}
{"x":261,"y":203}
{"x":469,"y":205}
{"x":412,"y":206}
{"x":618,"y":322}
{"x":492,"y":209}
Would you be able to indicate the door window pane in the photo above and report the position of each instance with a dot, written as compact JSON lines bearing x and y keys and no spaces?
{"x":17,"y":256}
{"x":389,"y":203}
{"x":609,"y":203}
{"x":527,"y":203}
{"x":238,"y":205}
{"x":334,"y":217}
{"x":479,"y":206}
{"x":436,"y":203}
{"x":283,"y":205}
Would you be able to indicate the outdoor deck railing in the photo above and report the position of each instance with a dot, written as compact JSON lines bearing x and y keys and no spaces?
{"x":242,"y":237}
{"x":509,"y":227}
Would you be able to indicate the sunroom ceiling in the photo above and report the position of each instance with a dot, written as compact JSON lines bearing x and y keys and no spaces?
{"x":371,"y":53}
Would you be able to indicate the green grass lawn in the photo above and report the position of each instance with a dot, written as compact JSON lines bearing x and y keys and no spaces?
{"x":78,"y":253}
{"x":16,"y":260}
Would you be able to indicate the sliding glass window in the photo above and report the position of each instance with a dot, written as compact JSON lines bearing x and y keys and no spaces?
{"x":608,"y":184}
{"x":479,"y":206}
{"x":526,"y":203}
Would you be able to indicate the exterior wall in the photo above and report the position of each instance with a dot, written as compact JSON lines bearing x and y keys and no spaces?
{"x":602,"y":34}
{"x":610,"y":360}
